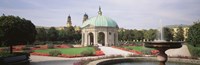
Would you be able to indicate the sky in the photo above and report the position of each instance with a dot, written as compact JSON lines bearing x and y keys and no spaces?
{"x":129,"y":14}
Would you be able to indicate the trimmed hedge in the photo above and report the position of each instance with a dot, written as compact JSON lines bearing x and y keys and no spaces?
{"x":55,"y":52}
{"x":50,"y":46}
{"x":195,"y":51}
{"x":87,"y":52}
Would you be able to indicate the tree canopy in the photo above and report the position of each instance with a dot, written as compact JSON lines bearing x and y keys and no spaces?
{"x":194,"y":34}
{"x":17,"y":30}
{"x":168,"y":35}
{"x":179,"y":34}
{"x":67,"y":35}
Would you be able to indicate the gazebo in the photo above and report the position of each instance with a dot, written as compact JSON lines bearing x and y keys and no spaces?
{"x":99,"y":31}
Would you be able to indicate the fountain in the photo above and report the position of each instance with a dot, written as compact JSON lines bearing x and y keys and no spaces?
{"x":162,"y":46}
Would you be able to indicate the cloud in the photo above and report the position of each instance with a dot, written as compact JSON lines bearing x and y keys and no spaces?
{"x":130,"y":14}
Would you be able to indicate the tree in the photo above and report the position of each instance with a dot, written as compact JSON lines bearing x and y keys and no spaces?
{"x":52,"y":34}
{"x":41,"y":34}
{"x":194,"y":34}
{"x":62,"y":35}
{"x":179,"y":34}
{"x":139,"y":35}
{"x":150,"y":34}
{"x":17,"y":30}
{"x":77,"y":35}
{"x":168,"y":35}
{"x":120,"y":35}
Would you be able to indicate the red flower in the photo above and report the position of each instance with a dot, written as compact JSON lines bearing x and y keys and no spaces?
{"x":154,"y":52}
{"x":99,"y":53}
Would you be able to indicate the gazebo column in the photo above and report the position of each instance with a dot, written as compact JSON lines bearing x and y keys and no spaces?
{"x":112,"y":36}
{"x":82,"y":39}
{"x":95,"y":38}
{"x":86,"y":39}
{"x":106,"y":38}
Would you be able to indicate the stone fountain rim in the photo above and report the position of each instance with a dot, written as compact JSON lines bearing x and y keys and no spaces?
{"x":166,"y":42}
{"x":163,"y":44}
{"x":142,"y":59}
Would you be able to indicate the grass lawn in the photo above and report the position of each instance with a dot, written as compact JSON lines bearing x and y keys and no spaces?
{"x":137,"y":48}
{"x":69,"y":51}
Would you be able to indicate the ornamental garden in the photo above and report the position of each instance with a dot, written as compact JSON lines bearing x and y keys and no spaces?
{"x":20,"y":39}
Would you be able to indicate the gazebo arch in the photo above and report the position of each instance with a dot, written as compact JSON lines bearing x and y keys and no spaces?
{"x":101,"y":38}
{"x":91,"y":38}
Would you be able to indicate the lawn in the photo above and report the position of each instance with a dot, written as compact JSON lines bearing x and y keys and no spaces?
{"x":137,"y":48}
{"x":69,"y":51}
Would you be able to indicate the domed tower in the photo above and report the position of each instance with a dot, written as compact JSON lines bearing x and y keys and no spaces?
{"x":99,"y":31}
{"x":85,"y":17}
{"x":69,"y":22}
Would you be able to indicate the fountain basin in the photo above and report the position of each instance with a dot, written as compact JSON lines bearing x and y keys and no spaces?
{"x":163,"y":44}
{"x":143,"y":60}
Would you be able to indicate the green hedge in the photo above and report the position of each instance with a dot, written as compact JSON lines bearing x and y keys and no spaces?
{"x":55,"y":52}
{"x":195,"y":51}
{"x":87,"y":52}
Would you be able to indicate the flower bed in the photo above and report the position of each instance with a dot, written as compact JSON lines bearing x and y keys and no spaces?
{"x":96,"y":53}
{"x":133,"y":51}
{"x":153,"y":52}
{"x":99,"y":53}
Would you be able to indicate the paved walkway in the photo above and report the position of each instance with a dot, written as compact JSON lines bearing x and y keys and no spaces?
{"x":183,"y":51}
{"x":113,"y":51}
{"x":46,"y":60}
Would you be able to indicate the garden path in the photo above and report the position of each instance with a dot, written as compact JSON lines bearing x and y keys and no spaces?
{"x":46,"y":60}
{"x":114,"y":51}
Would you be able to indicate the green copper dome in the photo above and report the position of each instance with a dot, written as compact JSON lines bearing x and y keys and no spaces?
{"x":101,"y":21}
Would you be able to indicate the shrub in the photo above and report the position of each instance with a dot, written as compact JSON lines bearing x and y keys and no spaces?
{"x":27,"y":49}
{"x":37,"y":46}
{"x":195,"y":51}
{"x":5,"y":54}
{"x":88,"y":52}
{"x":146,"y":51}
{"x":70,"y":46}
{"x":96,"y":48}
{"x":5,"y":49}
{"x":55,"y":52}
{"x":129,"y":48}
{"x":90,"y":46}
{"x":50,"y":46}
{"x":30,"y":46}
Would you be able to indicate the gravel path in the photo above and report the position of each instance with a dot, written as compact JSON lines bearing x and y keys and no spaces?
{"x":46,"y":60}
{"x":113,"y":51}
{"x":183,"y":51}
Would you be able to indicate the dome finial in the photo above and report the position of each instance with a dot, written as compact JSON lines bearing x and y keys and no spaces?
{"x":100,"y":13}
